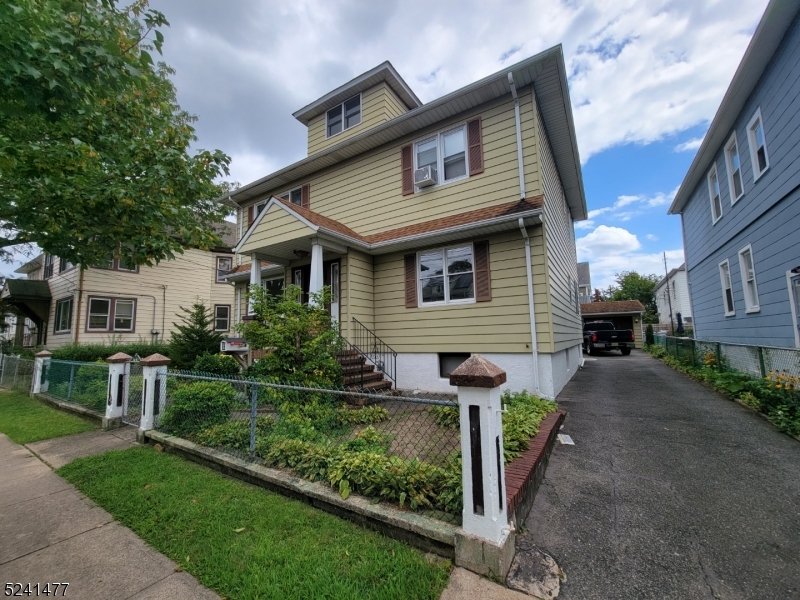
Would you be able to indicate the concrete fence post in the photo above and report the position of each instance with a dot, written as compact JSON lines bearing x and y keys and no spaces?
{"x":40,"y":368}
{"x":154,"y":367}
{"x":119,"y":373}
{"x":485,"y":544}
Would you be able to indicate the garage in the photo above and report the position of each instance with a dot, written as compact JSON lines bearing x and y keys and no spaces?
{"x":625,"y":314}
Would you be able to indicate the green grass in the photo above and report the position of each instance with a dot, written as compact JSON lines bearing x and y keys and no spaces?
{"x":245,"y":542}
{"x":25,"y":419}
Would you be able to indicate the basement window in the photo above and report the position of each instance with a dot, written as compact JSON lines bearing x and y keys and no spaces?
{"x":450,"y":361}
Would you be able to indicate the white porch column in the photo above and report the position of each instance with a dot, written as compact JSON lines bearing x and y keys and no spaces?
{"x":315,"y":284}
{"x":153,"y":369}
{"x":485,"y":544}
{"x":40,"y":366}
{"x":119,"y":370}
{"x":255,"y":279}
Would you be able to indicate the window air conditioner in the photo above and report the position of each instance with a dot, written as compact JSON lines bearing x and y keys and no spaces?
{"x":424,"y":177}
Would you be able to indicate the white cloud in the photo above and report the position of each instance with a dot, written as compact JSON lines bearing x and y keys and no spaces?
{"x":640,"y":201}
{"x":690,"y":145}
{"x":652,"y":237}
{"x":612,"y":250}
{"x":588,"y":224}
{"x":625,"y":200}
{"x":593,"y":214}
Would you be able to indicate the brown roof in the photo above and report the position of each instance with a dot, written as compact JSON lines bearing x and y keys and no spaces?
{"x":226,"y":231}
{"x":245,"y":268}
{"x":619,"y":306}
{"x":465,"y":218}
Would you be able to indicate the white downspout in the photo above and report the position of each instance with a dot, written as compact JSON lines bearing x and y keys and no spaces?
{"x":519,"y":136}
{"x":531,"y":308}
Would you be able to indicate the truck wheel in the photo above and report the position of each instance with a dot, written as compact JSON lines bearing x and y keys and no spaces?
{"x":625,"y":351}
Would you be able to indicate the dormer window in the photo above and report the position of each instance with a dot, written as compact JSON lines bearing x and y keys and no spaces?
{"x":344,"y":116}
{"x":294,"y":196}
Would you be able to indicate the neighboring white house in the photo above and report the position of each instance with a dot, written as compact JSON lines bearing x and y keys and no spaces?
{"x":676,"y":295}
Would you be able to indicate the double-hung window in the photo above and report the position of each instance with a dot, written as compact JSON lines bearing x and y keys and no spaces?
{"x":224,"y":264}
{"x":64,"y":265}
{"x":748,"y":279}
{"x":713,"y":192}
{"x":111,"y":314}
{"x":294,"y":196}
{"x":48,"y":266}
{"x":758,"y":145}
{"x":727,"y":289}
{"x":63,"y":320}
{"x":222,"y":317}
{"x":117,"y":264}
{"x":446,"y":275}
{"x":344,"y":116}
{"x":734,"y":169}
{"x":445,"y":153}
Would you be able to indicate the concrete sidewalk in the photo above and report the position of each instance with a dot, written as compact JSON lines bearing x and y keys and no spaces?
{"x":51,"y":533}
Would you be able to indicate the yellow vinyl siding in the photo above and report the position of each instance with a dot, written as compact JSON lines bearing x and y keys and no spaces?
{"x":365,"y":193}
{"x":62,"y":286}
{"x":275,"y":227}
{"x":159,"y":291}
{"x":561,"y":254}
{"x":357,"y":285}
{"x":501,"y":325}
{"x":378,"y":105}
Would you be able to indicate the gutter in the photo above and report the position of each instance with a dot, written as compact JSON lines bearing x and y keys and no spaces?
{"x":531,"y":308}
{"x":519,"y":136}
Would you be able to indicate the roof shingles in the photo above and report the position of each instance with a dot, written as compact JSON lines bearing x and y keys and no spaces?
{"x":618,"y":306}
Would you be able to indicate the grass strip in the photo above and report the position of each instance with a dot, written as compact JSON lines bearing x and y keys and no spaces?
{"x":245,"y":542}
{"x":25,"y":419}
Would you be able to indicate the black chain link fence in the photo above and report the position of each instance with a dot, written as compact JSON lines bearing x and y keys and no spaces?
{"x":401,"y":447}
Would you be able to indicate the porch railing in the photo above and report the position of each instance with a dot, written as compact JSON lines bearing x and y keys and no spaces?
{"x":374,"y":349}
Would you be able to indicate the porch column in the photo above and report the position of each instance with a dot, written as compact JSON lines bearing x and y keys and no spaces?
{"x":255,"y":279}
{"x":315,"y":284}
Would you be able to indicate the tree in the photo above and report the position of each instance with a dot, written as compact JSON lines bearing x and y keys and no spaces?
{"x":632,"y":286}
{"x":302,"y":340}
{"x":94,"y":149}
{"x":195,"y":336}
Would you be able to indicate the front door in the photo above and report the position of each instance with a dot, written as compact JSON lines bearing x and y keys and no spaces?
{"x":301,"y":276}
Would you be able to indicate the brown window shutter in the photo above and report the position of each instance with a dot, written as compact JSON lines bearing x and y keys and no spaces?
{"x":305,"y":196}
{"x":475,"y":143}
{"x":483,"y":277}
{"x":407,"y":169}
{"x":411,"y":280}
{"x":250,"y":212}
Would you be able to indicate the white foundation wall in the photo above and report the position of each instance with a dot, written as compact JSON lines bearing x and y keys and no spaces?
{"x":420,"y":371}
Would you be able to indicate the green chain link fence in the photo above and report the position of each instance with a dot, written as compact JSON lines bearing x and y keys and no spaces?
{"x":78,"y":382}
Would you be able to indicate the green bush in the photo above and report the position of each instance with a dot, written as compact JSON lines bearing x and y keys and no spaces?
{"x":217,"y":364}
{"x":234,"y":435}
{"x":446,"y":416}
{"x":100,"y":352}
{"x":29,"y":353}
{"x":649,"y":339}
{"x":194,"y":336}
{"x":89,"y":384}
{"x":362,"y":416}
{"x":370,"y":439}
{"x":197,"y":406}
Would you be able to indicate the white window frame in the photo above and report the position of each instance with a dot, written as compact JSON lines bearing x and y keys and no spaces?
{"x":89,"y":314}
{"x":790,"y":277}
{"x":133,"y":314}
{"x":59,"y":303}
{"x":341,"y":112}
{"x":288,"y":194}
{"x":733,"y":142}
{"x":751,"y":304}
{"x":110,"y":316}
{"x":727,"y":264}
{"x":713,"y":171}
{"x":439,"y":136}
{"x":217,"y":270}
{"x":227,"y":320}
{"x":446,"y":301}
{"x":752,"y":142}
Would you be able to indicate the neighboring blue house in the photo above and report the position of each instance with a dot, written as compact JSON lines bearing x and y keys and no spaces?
{"x":740,"y":200}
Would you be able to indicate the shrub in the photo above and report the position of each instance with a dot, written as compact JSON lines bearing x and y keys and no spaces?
{"x":194,"y":337}
{"x":362,"y":416}
{"x":100,"y":352}
{"x":370,"y":439}
{"x":649,"y":339}
{"x":197,"y":406}
{"x":234,"y":435}
{"x":446,"y":416}
{"x":217,"y":364}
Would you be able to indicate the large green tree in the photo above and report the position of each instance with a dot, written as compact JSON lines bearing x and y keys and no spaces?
{"x":94,"y":150}
{"x":633,"y":286}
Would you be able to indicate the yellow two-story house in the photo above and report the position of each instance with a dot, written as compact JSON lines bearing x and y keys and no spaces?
{"x":115,"y":301}
{"x":444,"y":229}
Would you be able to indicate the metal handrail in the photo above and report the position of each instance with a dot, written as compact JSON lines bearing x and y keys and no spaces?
{"x":374,"y":349}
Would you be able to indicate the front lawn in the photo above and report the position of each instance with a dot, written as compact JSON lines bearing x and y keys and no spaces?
{"x":25,"y":419}
{"x":245,"y":542}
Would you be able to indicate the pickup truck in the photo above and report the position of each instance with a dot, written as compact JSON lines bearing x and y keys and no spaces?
{"x":601,"y":335}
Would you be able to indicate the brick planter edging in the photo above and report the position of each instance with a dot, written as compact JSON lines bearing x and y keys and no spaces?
{"x":525,"y":473}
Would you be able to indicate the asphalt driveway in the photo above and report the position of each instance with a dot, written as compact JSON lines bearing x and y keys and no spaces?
{"x":671,"y":491}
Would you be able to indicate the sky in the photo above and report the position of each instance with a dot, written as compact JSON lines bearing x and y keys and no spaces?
{"x":645,"y":80}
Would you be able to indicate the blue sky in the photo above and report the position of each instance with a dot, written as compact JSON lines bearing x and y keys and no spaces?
{"x":645,"y":78}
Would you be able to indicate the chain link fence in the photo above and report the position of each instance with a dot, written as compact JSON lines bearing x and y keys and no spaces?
{"x":78,"y":382}
{"x":757,"y":361}
{"x":16,"y":373}
{"x":397,"y":446}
